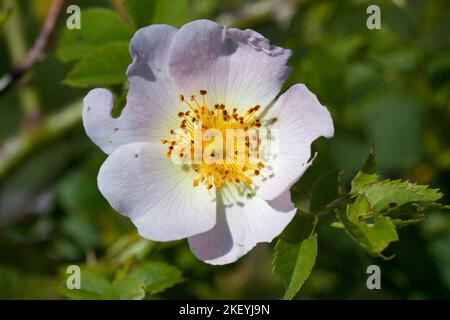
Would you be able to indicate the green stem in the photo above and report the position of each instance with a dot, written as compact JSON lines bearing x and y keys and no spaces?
{"x":16,"y":43}
{"x":333,"y":205}
{"x":20,"y":147}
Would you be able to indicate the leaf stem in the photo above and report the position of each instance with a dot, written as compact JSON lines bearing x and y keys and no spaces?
{"x":333,"y":205}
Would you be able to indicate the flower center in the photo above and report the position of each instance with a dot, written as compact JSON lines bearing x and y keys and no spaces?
{"x":221,"y":145}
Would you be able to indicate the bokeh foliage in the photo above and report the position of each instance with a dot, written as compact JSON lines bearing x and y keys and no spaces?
{"x":389,"y":87}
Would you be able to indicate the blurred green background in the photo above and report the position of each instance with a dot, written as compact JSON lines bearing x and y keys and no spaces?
{"x":390,"y":87}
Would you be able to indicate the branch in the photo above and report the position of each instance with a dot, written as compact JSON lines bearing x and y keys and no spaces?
{"x":20,"y":147}
{"x":36,"y":50}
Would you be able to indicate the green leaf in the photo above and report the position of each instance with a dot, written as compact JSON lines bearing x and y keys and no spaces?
{"x":140,"y":11}
{"x":388,"y":195}
{"x":324,"y":191}
{"x":391,"y":195}
{"x":380,"y":207}
{"x":98,"y":27}
{"x":93,"y":285}
{"x":102,"y":67}
{"x":371,"y":231}
{"x":295,"y":253}
{"x":157,"y":276}
{"x":125,"y":289}
{"x":380,"y":234}
{"x":367,"y":174}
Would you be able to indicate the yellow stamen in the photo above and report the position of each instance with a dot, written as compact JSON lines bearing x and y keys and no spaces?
{"x":200,"y":117}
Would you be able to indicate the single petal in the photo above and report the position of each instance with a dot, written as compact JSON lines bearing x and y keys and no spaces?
{"x":238,"y":68}
{"x":257,"y":69}
{"x":139,"y":181}
{"x":97,"y":120}
{"x":152,"y":101}
{"x":241,"y":224}
{"x":300,"y":119}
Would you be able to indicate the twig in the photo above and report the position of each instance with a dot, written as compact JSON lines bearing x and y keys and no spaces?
{"x":36,"y":50}
{"x":15,"y":39}
{"x":333,"y":205}
{"x":53,"y":127}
